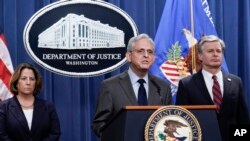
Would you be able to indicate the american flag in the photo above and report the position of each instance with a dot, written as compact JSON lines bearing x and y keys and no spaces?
{"x":6,"y":69}
{"x":174,"y":71}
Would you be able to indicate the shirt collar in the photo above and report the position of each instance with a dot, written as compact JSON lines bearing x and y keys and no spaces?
{"x":134,"y":78}
{"x":208,"y":75}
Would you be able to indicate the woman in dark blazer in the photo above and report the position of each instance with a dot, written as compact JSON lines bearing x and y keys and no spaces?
{"x":25,"y":117}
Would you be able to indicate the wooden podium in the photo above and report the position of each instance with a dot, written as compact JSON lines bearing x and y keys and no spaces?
{"x":129,"y":123}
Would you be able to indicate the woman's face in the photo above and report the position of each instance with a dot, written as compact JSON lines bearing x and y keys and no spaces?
{"x":26,"y":83}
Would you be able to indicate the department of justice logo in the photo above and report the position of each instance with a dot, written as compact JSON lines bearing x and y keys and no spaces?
{"x":172,"y":123}
{"x":79,"y":38}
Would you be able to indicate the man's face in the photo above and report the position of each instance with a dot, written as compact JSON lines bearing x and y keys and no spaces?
{"x":211,"y":55}
{"x":142,"y":56}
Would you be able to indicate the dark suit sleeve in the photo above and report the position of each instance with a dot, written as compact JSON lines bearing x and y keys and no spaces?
{"x":103,"y":110}
{"x":181,"y":97}
{"x":55,"y":131}
{"x":243,"y":114}
{"x":163,"y":90}
{"x":168,"y":95}
{"x":3,"y":133}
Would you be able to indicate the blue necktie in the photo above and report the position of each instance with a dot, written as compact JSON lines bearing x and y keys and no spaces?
{"x":142,"y":97}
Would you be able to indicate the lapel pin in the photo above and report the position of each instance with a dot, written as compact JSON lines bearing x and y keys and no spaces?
{"x":229,"y":79}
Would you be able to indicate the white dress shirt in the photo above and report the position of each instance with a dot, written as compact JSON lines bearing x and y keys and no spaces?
{"x":28,"y":115}
{"x":210,"y":82}
{"x":134,"y":78}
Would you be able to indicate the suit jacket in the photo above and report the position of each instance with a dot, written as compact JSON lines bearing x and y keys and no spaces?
{"x":193,"y":91}
{"x":14,"y":127}
{"x":117,"y":92}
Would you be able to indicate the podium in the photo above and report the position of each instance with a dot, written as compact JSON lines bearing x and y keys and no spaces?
{"x":129,"y":123}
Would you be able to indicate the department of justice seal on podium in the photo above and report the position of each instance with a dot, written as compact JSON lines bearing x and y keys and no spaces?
{"x":172,"y":123}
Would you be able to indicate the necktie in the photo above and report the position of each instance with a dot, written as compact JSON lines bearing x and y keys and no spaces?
{"x":216,"y":93}
{"x":142,"y":97}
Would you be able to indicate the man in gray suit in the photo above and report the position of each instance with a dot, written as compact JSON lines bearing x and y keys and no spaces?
{"x":201,"y":88}
{"x":125,"y":90}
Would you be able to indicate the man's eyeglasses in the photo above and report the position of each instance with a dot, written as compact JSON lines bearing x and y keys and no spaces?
{"x":143,"y":51}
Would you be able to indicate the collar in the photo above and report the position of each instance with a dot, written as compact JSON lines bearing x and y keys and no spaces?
{"x":134,"y":78}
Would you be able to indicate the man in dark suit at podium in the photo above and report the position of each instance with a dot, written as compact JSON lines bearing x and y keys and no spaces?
{"x":212,"y":86}
{"x":133,"y":87}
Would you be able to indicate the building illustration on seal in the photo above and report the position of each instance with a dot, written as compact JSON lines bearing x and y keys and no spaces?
{"x":79,"y":32}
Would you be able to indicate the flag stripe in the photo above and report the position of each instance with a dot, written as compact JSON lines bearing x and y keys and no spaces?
{"x":6,"y":69}
{"x":5,"y":74}
{"x":2,"y":38}
{"x":169,"y":68}
{"x":4,"y":53}
{"x":5,"y":93}
{"x":171,"y":74}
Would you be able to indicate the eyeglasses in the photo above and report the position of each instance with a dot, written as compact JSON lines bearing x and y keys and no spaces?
{"x":143,"y":51}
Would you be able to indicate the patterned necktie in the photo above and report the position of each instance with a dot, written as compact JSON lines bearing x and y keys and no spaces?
{"x":142,"y":97}
{"x":217,"y":93}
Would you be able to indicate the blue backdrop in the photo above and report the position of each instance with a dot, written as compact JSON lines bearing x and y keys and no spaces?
{"x":74,"y":98}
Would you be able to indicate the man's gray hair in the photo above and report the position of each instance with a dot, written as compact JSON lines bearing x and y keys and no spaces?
{"x":133,"y":40}
{"x":210,"y":38}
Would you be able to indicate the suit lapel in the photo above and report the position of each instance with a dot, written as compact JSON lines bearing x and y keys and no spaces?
{"x":127,"y":87}
{"x":18,"y":113}
{"x":200,"y":83}
{"x":153,"y":95}
{"x":227,"y":85}
{"x":37,"y":115}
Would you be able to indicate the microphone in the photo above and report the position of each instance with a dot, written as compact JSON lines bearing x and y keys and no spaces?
{"x":158,"y":91}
